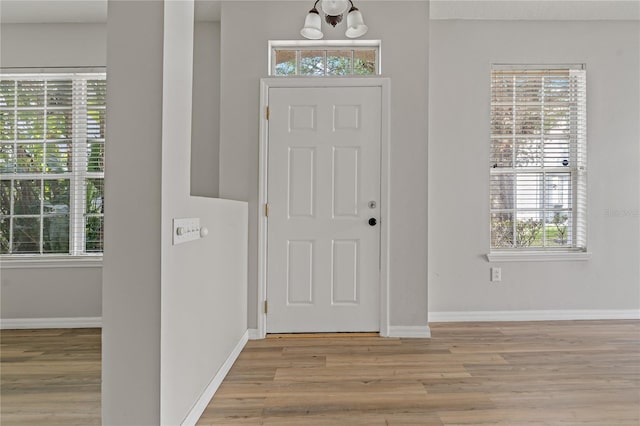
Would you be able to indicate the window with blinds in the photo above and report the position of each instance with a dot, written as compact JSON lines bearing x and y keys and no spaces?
{"x":52,"y":139}
{"x":538,"y":164}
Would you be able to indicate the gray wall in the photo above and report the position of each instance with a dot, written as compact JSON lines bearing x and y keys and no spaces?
{"x":461,"y":54}
{"x":53,"y":45}
{"x":52,"y":292}
{"x":76,"y":292}
{"x":172,"y":315}
{"x":205,"y":137}
{"x":131,"y":294}
{"x":403,"y":28}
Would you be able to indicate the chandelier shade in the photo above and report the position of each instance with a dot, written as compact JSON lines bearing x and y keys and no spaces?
{"x":355,"y":24}
{"x":312,"y":26}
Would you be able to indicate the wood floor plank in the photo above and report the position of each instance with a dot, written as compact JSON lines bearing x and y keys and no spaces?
{"x":50,"y":377}
{"x":473,"y":373}
{"x":525,"y":373}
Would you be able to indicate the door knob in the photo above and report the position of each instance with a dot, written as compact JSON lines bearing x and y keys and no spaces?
{"x":373,"y":221}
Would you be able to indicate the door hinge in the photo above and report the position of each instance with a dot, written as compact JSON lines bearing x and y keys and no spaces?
{"x":266,"y":307}
{"x":266,"y":209}
{"x":267,"y":112}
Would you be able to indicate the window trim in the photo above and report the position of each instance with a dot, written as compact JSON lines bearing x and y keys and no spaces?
{"x":17,"y":261}
{"x":76,"y":257}
{"x":519,"y":255}
{"x":514,"y":254}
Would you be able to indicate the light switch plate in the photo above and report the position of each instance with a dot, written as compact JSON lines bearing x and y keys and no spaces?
{"x":186,"y":229}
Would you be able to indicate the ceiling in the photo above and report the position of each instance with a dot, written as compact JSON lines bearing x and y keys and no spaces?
{"x":92,"y":11}
{"x":79,"y":11}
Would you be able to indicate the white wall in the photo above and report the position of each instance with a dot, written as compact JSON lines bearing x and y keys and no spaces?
{"x":204,"y":291}
{"x":172,"y":314}
{"x":403,"y":28}
{"x":51,"y":292}
{"x":461,"y":53}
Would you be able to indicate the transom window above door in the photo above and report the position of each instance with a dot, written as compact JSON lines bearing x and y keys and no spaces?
{"x":343,"y":58}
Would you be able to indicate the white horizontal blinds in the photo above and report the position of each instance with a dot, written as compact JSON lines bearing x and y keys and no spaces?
{"x":579,"y":94}
{"x":538,"y":158}
{"x":96,"y":92}
{"x":42,"y":164}
{"x":77,"y":236}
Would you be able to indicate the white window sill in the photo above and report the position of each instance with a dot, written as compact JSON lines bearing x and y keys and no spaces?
{"x":37,"y":262}
{"x":538,"y":256}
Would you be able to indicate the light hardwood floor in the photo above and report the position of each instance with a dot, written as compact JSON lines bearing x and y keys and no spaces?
{"x":50,"y":377}
{"x":534,"y":373}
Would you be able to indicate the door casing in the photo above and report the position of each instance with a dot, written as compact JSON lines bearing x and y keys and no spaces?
{"x":320,"y":82}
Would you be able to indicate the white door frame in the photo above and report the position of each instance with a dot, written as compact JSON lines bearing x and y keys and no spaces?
{"x":319,"y":82}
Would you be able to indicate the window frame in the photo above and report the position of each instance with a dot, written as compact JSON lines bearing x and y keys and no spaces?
{"x":76,"y":256}
{"x":577,"y":181}
{"x":325,"y":46}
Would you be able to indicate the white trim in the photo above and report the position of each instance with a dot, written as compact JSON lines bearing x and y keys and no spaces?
{"x":537,"y":67}
{"x":38,"y":262}
{"x":385,"y":205}
{"x":202,"y":402}
{"x":28,"y":323}
{"x":538,"y":256}
{"x":532,"y":315}
{"x":323,"y":43}
{"x":385,"y":229}
{"x":53,"y":71}
{"x":254,"y":334}
{"x":410,"y":331}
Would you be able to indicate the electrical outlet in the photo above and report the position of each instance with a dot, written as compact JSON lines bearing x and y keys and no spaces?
{"x":186,"y":229}
{"x":496,"y":274}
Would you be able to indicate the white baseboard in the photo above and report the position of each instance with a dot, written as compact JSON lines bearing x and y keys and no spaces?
{"x":202,"y":402}
{"x":254,"y":334}
{"x":410,"y":331}
{"x":26,"y":323}
{"x":547,"y":315}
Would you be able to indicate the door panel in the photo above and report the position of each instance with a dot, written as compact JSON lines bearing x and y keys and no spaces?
{"x":345,"y":182}
{"x":301,"y":182}
{"x":345,"y":279}
{"x":323,"y":256}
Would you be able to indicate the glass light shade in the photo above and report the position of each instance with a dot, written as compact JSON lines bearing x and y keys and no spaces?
{"x":334,"y":7}
{"x":311,"y":29}
{"x":355,"y":24}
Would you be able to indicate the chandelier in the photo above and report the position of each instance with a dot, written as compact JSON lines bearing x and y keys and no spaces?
{"x":333,"y":14}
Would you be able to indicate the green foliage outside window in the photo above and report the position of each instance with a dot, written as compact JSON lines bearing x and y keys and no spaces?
{"x":325,"y":63}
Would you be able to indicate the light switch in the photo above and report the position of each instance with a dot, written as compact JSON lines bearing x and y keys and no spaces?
{"x":186,"y":229}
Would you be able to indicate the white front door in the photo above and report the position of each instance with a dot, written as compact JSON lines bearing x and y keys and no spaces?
{"x":323,"y":191}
